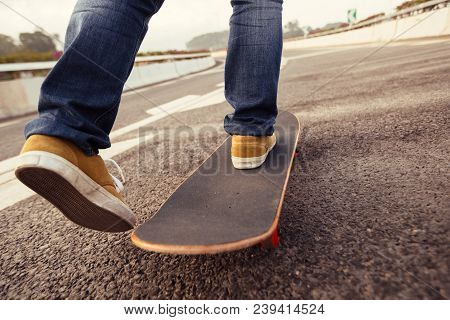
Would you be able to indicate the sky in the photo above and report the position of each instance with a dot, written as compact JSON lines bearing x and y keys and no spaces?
{"x":180,"y":20}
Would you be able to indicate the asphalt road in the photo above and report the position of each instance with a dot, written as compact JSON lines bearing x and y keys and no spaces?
{"x":366,"y":215}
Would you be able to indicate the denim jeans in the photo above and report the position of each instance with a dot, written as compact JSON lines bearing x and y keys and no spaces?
{"x":80,"y":97}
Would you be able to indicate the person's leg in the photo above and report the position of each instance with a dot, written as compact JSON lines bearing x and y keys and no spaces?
{"x":80,"y":96}
{"x":253,"y":66}
{"x":77,"y":108}
{"x":251,"y":79}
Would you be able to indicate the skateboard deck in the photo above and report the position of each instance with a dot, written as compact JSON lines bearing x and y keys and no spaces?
{"x":220,"y":208}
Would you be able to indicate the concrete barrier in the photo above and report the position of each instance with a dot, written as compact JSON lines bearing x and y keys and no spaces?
{"x":155,"y":73}
{"x":134,"y":79}
{"x":447,"y":25}
{"x":21,"y":96}
{"x":14,"y":100}
{"x":32,"y":87}
{"x":427,"y":24}
{"x":184,"y":67}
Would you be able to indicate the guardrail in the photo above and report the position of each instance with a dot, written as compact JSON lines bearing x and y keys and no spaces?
{"x":431,"y":19}
{"x":172,"y":57}
{"x":47,"y":65}
{"x":435,"y":4}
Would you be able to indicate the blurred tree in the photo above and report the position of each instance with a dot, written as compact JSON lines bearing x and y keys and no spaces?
{"x":292,"y":26}
{"x":37,"y":42}
{"x":7,"y":45}
{"x":292,"y":29}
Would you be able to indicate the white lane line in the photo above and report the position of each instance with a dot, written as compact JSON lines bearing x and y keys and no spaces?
{"x":209,"y":99}
{"x":166,"y":83}
{"x":191,"y":102}
{"x":172,"y":106}
{"x":9,"y":123}
{"x":284,"y":62}
{"x":147,"y":121}
{"x":7,"y":165}
{"x":313,"y":54}
{"x":285,"y":59}
{"x":15,"y":192}
{"x":6,"y":177}
{"x":119,"y":147}
{"x":135,"y":91}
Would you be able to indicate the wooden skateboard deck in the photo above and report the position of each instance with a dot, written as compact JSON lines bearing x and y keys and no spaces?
{"x":220,"y":208}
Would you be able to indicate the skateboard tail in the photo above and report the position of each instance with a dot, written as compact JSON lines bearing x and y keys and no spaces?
{"x":201,"y":249}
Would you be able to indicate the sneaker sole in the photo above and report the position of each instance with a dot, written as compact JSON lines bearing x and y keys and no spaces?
{"x":75,"y":194}
{"x":251,"y":163}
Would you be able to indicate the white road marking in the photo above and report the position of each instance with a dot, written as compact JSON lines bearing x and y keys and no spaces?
{"x":284,"y":62}
{"x":134,"y":91}
{"x":143,"y":123}
{"x":166,"y":83}
{"x":15,"y":192}
{"x":172,"y":106}
{"x":209,"y":99}
{"x":313,"y":54}
{"x":7,"y":165}
{"x":191,"y":102}
{"x":6,"y":177}
{"x":118,"y":148}
{"x":9,"y":123}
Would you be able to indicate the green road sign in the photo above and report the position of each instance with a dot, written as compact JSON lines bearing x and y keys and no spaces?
{"x":351,"y":15}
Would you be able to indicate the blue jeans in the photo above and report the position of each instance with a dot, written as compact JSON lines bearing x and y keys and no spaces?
{"x":80,"y":97}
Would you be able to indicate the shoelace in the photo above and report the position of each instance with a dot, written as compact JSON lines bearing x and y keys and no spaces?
{"x":119,"y":184}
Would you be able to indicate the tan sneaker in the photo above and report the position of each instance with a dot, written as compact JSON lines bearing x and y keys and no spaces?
{"x":248,"y":152}
{"x":78,"y":185}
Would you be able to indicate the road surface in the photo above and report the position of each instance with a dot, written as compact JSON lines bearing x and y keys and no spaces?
{"x":366,"y":215}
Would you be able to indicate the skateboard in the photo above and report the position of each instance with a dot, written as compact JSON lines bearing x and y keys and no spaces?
{"x":220,"y":208}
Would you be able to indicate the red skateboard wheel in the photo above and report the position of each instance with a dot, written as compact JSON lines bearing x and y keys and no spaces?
{"x":273,"y":241}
